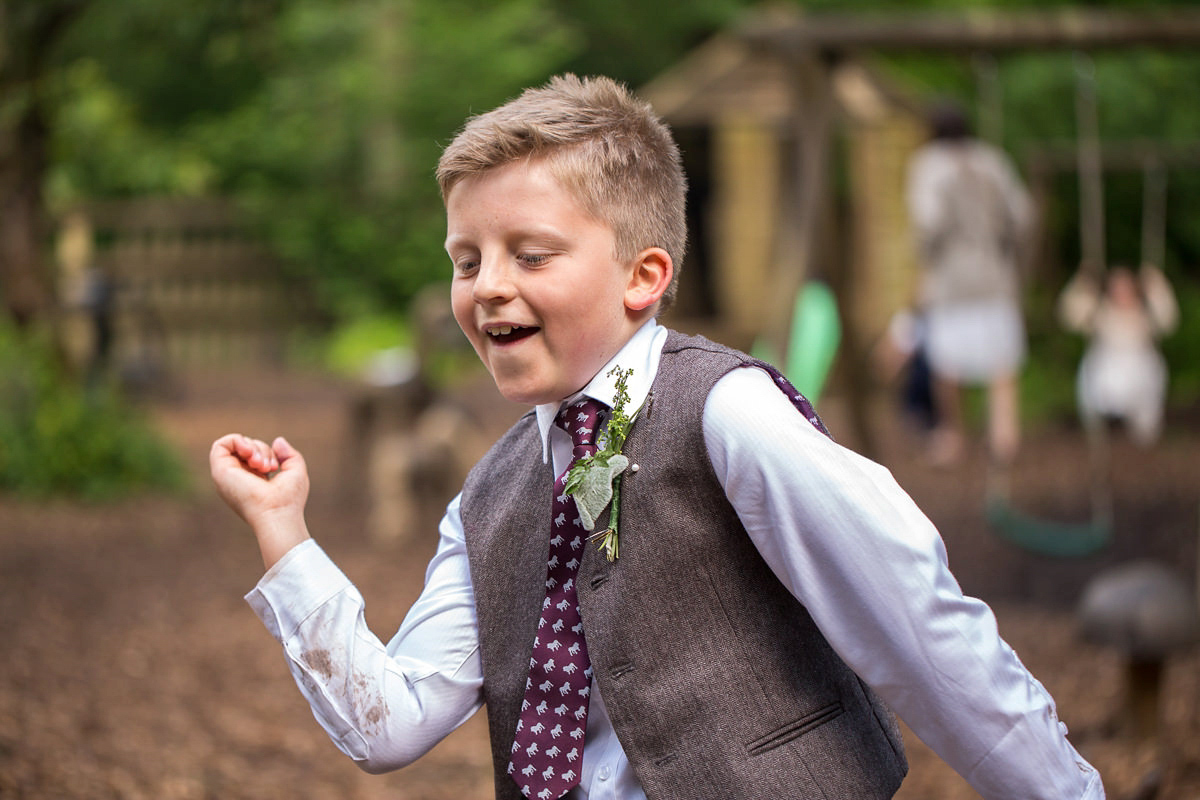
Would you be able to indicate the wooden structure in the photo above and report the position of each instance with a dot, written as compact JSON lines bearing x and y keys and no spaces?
{"x":159,"y":284}
{"x":779,"y":80}
{"x":981,"y":30}
{"x":1044,"y":162}
{"x":815,"y":46}
{"x":761,"y":189}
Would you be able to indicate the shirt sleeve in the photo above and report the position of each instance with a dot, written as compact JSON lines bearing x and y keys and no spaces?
{"x":384,"y":706}
{"x":851,"y":545}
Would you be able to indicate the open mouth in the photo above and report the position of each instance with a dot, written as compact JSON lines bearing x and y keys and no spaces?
{"x":506,"y":334}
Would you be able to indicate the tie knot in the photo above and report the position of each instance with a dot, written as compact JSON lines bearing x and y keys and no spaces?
{"x":581,"y":420}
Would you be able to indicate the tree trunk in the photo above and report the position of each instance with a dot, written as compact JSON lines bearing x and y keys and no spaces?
{"x":29,"y":31}
{"x":25,"y":285}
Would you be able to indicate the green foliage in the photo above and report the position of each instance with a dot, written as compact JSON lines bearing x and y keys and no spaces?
{"x":352,"y":345}
{"x":1048,"y":379}
{"x":58,"y":438}
{"x":1180,"y":348}
{"x":633,"y":41}
{"x":325,"y":120}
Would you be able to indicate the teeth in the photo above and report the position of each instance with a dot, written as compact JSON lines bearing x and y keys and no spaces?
{"x":500,"y":331}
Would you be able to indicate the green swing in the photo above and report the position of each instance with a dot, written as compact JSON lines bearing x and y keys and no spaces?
{"x":1080,"y":539}
{"x":1050,"y":537}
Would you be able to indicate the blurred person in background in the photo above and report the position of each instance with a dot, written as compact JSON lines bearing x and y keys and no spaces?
{"x":971,"y":216}
{"x":901,"y":356}
{"x":1122,"y":376}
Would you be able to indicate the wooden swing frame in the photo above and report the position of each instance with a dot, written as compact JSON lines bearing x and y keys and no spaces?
{"x":814,"y":44}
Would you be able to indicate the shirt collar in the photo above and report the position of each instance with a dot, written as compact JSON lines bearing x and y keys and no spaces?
{"x":640,"y":353}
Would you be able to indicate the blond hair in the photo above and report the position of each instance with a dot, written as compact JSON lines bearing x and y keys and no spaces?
{"x":608,"y":149}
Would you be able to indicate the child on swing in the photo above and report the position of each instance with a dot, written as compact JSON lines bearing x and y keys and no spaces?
{"x":774,"y":596}
{"x":1122,"y":376}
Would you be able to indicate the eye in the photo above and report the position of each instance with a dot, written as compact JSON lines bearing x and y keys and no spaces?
{"x":465,"y":266}
{"x":533,"y":259}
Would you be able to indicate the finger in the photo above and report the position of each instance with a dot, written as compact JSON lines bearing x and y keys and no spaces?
{"x":243,"y":447}
{"x":232,"y":446}
{"x":254,"y":454}
{"x":230,"y":472}
{"x":289,"y":457}
{"x":283,"y":449}
{"x":226,"y":444}
{"x":223,"y":452}
{"x":265,"y":456}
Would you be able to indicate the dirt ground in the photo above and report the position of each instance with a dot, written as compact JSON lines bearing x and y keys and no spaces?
{"x":133,"y":669}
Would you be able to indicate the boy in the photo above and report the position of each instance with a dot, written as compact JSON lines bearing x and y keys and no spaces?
{"x":767,"y":582}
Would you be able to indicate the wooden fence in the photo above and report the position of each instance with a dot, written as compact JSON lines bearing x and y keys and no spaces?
{"x":172,"y":284}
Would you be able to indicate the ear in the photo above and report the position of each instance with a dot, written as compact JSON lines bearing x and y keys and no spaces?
{"x":650,"y":276}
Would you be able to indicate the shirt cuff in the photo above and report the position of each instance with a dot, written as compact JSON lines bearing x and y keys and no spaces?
{"x":1027,"y":763}
{"x":1095,"y":788}
{"x":294,"y":587}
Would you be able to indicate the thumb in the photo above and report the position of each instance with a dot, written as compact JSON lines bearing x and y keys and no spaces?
{"x":289,"y":457}
{"x":283,"y":449}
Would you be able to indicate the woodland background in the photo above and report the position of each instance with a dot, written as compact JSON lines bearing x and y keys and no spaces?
{"x":131,"y":668}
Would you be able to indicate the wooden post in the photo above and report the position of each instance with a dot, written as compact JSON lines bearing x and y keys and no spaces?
{"x":991,"y":30}
{"x":813,"y":109}
{"x":73,"y":252}
{"x":746,"y":214}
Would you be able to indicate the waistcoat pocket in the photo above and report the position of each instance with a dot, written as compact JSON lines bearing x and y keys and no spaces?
{"x":795,"y":729}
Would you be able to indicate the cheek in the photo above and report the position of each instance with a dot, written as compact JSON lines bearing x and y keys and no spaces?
{"x":460,"y":305}
{"x":592,"y":334}
{"x":463,"y":308}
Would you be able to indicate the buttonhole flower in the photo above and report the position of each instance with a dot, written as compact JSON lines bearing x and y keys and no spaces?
{"x":595,"y":480}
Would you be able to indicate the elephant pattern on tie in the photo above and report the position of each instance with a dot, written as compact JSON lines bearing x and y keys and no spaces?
{"x":560,"y":672}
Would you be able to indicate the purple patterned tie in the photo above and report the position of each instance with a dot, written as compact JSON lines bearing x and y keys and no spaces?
{"x":549,"y":739}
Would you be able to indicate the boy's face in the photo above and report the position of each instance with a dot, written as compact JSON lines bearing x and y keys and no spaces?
{"x":536,"y":287}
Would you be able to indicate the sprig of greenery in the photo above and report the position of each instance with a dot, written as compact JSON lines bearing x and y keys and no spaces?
{"x":610,"y":443}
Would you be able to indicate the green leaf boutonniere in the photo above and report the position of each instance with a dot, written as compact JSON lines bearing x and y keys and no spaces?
{"x":595,"y":480}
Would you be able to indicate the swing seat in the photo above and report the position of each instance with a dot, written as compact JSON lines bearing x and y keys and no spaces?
{"x":1047,"y":537}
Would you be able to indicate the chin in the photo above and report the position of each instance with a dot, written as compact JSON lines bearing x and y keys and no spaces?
{"x":517,"y":392}
{"x":531,"y":395}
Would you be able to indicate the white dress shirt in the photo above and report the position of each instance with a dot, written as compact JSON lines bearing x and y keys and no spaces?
{"x":835,"y":528}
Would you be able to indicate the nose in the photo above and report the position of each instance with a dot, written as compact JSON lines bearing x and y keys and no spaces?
{"x":493,"y":281}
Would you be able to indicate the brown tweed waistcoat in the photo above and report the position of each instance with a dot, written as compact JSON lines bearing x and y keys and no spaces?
{"x":717,"y":680}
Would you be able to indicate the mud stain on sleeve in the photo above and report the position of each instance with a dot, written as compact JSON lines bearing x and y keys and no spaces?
{"x":369,"y":697}
{"x":362,"y":697}
{"x":319,"y":662}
